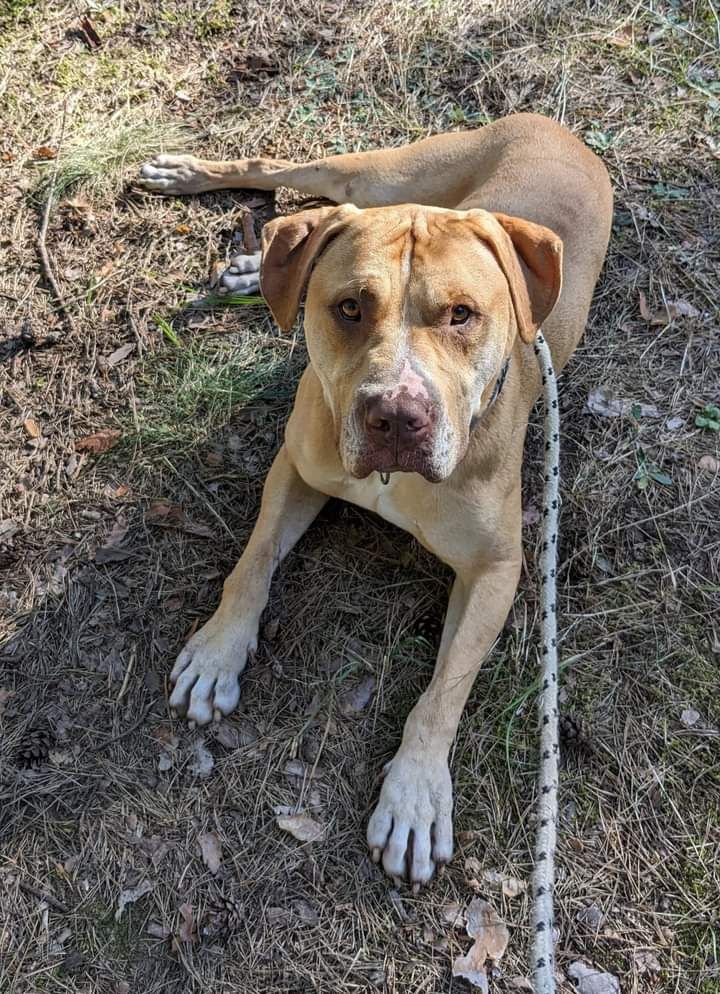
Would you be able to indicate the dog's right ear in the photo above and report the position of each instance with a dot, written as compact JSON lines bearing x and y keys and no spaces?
{"x":290,"y":247}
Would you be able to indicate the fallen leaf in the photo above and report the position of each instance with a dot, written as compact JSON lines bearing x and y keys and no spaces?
{"x":709,"y":463}
{"x":164,"y":762}
{"x":211,"y":850}
{"x":531,"y":515}
{"x":32,"y":428}
{"x":302,"y":827}
{"x":203,"y":762}
{"x":591,"y":916}
{"x":105,"y":269}
{"x":646,"y":962}
{"x":45,"y":152}
{"x":5,"y":696}
{"x":119,"y":354}
{"x":92,"y":38}
{"x":165,"y":514}
{"x":110,"y":551}
{"x":670,"y":311}
{"x":591,"y":981}
{"x":132,"y":895}
{"x":182,"y":229}
{"x":187,"y":926}
{"x":101,"y":441}
{"x":491,"y":939}
{"x":358,"y":699}
{"x":521,"y":984}
{"x":158,"y":931}
{"x":236,"y":734}
{"x":297,"y":768}
{"x":306,"y":912}
{"x":603,"y":402}
{"x":672,"y":424}
{"x":453,"y":915}
{"x":690,"y":717}
{"x":512,"y":887}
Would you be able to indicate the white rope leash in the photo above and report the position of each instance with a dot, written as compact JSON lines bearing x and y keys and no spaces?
{"x":543,"y":958}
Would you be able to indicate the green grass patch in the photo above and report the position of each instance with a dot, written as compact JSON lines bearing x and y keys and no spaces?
{"x":189,"y":392}
{"x":95,"y":158}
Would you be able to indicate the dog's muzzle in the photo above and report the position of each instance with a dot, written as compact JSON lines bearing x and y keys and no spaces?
{"x":398,"y":434}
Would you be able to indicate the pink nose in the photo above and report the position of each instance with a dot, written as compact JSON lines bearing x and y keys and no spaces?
{"x":398,"y":423}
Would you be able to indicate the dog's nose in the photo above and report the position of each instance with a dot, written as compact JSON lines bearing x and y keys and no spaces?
{"x":401,"y":421}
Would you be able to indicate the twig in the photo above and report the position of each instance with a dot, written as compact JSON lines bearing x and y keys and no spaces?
{"x":42,"y":896}
{"x":41,"y":242}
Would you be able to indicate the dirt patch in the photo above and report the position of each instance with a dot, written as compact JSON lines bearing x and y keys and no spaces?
{"x":138,"y":855}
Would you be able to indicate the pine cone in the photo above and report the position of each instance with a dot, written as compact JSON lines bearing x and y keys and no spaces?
{"x":223,"y":919}
{"x":34,"y":747}
{"x":573,"y":730}
{"x":429,"y":627}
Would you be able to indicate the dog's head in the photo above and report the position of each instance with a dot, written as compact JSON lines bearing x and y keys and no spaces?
{"x":410,"y":314}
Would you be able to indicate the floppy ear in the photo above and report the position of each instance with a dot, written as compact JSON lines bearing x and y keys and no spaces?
{"x":530,"y":256}
{"x":290,"y":246}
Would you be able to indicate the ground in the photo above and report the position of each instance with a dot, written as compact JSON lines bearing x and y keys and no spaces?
{"x":109,"y":559}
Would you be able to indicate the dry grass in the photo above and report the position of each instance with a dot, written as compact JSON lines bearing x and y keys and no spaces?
{"x":88,"y":639}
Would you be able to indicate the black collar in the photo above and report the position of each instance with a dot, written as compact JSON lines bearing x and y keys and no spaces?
{"x":499,"y":383}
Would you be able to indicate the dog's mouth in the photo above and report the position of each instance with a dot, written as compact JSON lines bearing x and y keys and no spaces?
{"x":386,"y":463}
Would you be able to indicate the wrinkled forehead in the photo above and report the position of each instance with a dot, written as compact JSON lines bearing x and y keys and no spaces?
{"x":428,"y":250}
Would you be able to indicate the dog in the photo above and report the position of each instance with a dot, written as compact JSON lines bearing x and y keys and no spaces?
{"x":425,"y":287}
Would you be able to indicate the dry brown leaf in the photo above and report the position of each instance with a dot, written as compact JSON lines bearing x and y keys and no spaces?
{"x":187,"y":926}
{"x":592,"y":981}
{"x":119,"y":354}
{"x":491,"y":939}
{"x":709,"y":463}
{"x":158,"y":931}
{"x":646,"y":962}
{"x":302,"y":827}
{"x":132,"y":895}
{"x":211,"y":850}
{"x":106,"y":268}
{"x":203,"y":761}
{"x":45,"y":152}
{"x":32,"y":428}
{"x":182,"y":229}
{"x":358,"y":699}
{"x":165,"y":514}
{"x":110,"y":551}
{"x":512,"y":887}
{"x":101,"y":441}
{"x":670,"y":311}
{"x":5,"y":696}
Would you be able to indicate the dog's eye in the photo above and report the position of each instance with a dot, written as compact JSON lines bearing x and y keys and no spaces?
{"x":349,"y":309}
{"x":460,"y":314}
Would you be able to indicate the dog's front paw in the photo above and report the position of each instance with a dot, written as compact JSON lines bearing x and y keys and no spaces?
{"x":411,"y":827}
{"x":242,"y":275}
{"x":181,"y":174}
{"x":206,"y":676}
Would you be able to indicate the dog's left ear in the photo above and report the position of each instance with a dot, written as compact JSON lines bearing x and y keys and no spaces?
{"x":290,"y":246}
{"x":530,"y":256}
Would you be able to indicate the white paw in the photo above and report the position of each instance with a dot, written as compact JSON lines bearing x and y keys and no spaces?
{"x":206,"y":676}
{"x":242,"y":275}
{"x":174,"y":174}
{"x":412,"y":824}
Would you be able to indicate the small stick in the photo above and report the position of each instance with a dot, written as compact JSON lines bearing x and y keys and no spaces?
{"x":41,"y":242}
{"x":128,"y":671}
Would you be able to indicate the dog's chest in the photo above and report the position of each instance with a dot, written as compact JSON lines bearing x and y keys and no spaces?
{"x":385,"y":499}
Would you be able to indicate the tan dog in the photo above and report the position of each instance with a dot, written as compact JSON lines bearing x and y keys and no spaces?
{"x":439,"y":266}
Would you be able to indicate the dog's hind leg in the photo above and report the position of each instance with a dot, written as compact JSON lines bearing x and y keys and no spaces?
{"x":438,"y":171}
